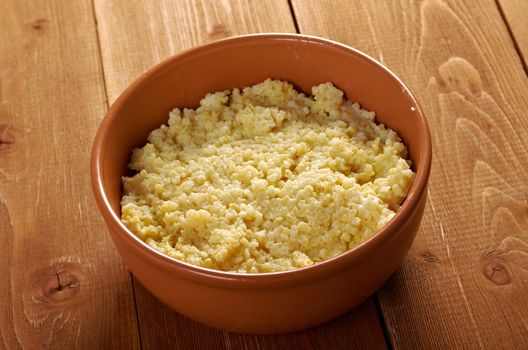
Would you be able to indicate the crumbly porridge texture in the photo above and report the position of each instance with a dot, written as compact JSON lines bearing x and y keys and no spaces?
{"x":265,"y":179}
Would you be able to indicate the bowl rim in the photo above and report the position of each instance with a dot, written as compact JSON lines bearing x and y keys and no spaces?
{"x":233,"y":279}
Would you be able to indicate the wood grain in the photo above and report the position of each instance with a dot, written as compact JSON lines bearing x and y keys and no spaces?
{"x":358,"y":329}
{"x":61,"y":283}
{"x":464,"y":283}
{"x":136,"y":35}
{"x":515,"y":13}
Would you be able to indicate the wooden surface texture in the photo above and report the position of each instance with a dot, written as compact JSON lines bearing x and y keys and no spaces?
{"x":515,"y":15}
{"x":463,"y":284}
{"x":465,"y":278}
{"x":62,"y":284}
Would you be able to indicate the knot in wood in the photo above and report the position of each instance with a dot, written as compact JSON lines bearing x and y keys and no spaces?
{"x":61,"y":286}
{"x":429,"y":257}
{"x":458,"y":75}
{"x":497,"y":273}
{"x":219,"y":31}
{"x":6,"y":136}
{"x":39,"y":23}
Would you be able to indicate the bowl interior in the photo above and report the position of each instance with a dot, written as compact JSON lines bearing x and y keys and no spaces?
{"x":183,"y":80}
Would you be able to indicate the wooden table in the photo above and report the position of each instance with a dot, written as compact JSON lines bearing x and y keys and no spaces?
{"x":464,"y":284}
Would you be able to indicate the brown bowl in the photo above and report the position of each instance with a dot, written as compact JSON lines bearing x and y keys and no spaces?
{"x":271,"y":302}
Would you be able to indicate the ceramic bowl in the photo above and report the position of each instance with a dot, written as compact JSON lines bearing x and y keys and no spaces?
{"x":271,"y":302}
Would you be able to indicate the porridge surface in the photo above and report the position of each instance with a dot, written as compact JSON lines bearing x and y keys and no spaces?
{"x":265,"y":179}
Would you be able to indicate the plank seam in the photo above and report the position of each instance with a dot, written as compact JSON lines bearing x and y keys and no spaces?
{"x":381,"y":320}
{"x":512,"y":36}
{"x":100,"y":51}
{"x":136,"y":309}
{"x":292,"y":12}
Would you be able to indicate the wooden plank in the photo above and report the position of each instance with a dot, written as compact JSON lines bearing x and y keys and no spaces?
{"x":355,"y":330}
{"x":61,"y":283}
{"x":136,"y":35}
{"x":515,"y":14}
{"x":464,"y":282}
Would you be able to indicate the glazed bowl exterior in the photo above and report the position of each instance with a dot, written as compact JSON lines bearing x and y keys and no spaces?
{"x":272,"y":302}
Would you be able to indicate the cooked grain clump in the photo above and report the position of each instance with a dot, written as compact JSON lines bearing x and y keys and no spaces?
{"x":265,"y":179}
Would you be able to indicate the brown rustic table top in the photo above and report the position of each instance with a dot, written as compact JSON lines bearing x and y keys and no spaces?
{"x":62,"y":63}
